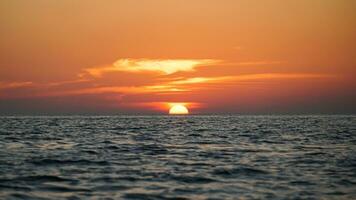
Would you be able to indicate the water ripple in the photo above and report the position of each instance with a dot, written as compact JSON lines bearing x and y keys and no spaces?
{"x":187,"y":157}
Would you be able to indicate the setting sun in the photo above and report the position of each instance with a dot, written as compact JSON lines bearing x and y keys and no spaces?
{"x":178,"y":110}
{"x":164,"y":99}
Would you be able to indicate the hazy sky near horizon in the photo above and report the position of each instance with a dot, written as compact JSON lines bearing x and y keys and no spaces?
{"x":217,"y":56}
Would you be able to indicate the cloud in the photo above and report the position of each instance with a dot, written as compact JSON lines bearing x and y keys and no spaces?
{"x":166,"y":66}
{"x":247,"y":77}
{"x":197,"y":80}
{"x":11,"y":85}
{"x":182,"y":85}
{"x":162,"y":79}
{"x":266,"y":76}
{"x":201,"y":83}
{"x":261,"y":62}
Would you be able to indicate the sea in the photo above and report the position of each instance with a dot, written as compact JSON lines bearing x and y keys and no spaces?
{"x":178,"y":157}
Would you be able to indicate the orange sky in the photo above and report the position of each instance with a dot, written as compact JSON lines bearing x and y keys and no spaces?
{"x":217,"y":56}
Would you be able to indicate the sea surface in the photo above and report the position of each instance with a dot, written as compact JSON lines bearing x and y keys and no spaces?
{"x":178,"y":157}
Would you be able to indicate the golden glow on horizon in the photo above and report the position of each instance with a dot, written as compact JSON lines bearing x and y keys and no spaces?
{"x":178,"y":109}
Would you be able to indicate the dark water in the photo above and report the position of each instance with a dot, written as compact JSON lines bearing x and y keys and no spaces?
{"x":163,"y":157}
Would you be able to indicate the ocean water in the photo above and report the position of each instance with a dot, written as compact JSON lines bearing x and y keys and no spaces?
{"x":178,"y":157}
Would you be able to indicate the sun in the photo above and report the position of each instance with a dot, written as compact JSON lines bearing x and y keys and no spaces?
{"x":178,"y":109}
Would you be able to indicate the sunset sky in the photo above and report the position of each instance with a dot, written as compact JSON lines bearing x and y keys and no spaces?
{"x":141,"y":56}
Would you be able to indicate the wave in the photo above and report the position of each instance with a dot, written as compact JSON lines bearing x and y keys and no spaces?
{"x":68,"y":162}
